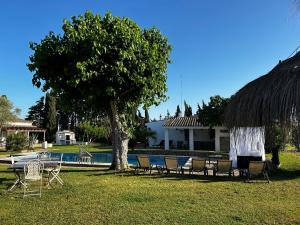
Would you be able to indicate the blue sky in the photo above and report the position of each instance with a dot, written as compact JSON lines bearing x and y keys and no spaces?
{"x":218,"y":46}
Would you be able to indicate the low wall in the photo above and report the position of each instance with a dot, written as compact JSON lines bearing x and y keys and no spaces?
{"x":203,"y":154}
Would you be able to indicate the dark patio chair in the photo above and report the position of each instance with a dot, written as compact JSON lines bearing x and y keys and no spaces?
{"x":171,"y":164}
{"x":198,"y":165}
{"x":223,"y":166}
{"x":143,"y":164}
{"x":257,"y":168}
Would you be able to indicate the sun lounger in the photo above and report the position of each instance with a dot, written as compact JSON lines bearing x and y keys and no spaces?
{"x":171,"y":164}
{"x":198,"y":165}
{"x":143,"y":164}
{"x":223,"y":166}
{"x":257,"y":168}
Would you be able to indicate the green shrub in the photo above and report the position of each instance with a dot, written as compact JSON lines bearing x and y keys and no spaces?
{"x":17,"y":141}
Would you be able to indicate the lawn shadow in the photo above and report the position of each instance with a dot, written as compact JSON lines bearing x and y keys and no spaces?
{"x":281,"y":174}
{"x":76,"y":170}
{"x":180,"y":177}
{"x":4,"y":179}
{"x":277,"y":175}
{"x":96,"y":172}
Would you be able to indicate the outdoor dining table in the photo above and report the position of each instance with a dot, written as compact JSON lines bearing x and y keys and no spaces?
{"x":18,"y":169}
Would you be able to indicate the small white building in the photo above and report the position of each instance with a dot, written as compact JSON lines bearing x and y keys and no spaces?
{"x":65,"y":137}
{"x":188,"y":133}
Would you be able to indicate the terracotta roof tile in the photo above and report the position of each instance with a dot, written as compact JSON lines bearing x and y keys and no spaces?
{"x":183,"y":122}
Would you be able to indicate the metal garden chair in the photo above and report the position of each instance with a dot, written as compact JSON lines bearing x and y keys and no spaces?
{"x":33,"y":173}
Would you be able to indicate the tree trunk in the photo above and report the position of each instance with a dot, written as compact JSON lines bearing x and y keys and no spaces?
{"x":119,"y":139}
{"x":275,"y":156}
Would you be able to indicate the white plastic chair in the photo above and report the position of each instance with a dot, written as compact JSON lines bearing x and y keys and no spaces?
{"x":53,"y":174}
{"x":44,"y":155}
{"x":33,"y":171}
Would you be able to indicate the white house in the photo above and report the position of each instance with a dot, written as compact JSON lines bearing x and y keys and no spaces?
{"x":65,"y":137}
{"x":188,"y":133}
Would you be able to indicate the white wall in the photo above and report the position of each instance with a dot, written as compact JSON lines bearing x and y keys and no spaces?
{"x":156,"y":126}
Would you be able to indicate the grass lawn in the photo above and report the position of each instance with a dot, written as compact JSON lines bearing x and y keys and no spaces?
{"x":75,"y":148}
{"x":103,"y":197}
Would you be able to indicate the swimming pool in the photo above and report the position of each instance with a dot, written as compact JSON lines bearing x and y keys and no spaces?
{"x":107,"y":158}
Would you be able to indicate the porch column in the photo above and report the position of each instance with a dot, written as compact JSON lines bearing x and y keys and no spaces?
{"x":217,"y":140}
{"x":167,"y":147}
{"x":44,"y":136}
{"x":191,"y":139}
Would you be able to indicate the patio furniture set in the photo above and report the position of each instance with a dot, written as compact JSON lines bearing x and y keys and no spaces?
{"x":216,"y":166}
{"x":36,"y":170}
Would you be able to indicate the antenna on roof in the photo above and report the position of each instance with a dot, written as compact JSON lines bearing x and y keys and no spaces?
{"x":181,"y":92}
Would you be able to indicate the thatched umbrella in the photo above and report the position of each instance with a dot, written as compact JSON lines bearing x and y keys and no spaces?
{"x":271,"y":99}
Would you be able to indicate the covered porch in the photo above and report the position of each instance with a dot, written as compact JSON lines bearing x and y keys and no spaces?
{"x":27,"y":130}
{"x":188,"y":133}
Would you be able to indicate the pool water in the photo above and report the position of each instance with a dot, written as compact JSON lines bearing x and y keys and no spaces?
{"x":107,"y":158}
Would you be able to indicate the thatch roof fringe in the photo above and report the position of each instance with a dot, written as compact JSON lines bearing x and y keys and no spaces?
{"x":272,"y":98}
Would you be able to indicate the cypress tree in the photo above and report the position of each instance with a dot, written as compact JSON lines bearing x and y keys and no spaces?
{"x":168,"y":115}
{"x":50,"y":111}
{"x":187,"y":110}
{"x":36,"y":113}
{"x":178,"y":111}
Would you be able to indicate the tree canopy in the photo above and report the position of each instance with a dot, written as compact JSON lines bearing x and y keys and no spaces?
{"x":187,"y":110}
{"x":103,"y":59}
{"x":36,"y":113}
{"x":212,"y":113}
{"x":110,"y":64}
{"x":178,"y":112}
{"x":90,"y":132}
{"x":7,"y":111}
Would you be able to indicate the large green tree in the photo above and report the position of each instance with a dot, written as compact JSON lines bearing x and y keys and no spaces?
{"x":212,"y":113}
{"x":109,"y":63}
{"x":7,"y":111}
{"x":36,"y":113}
